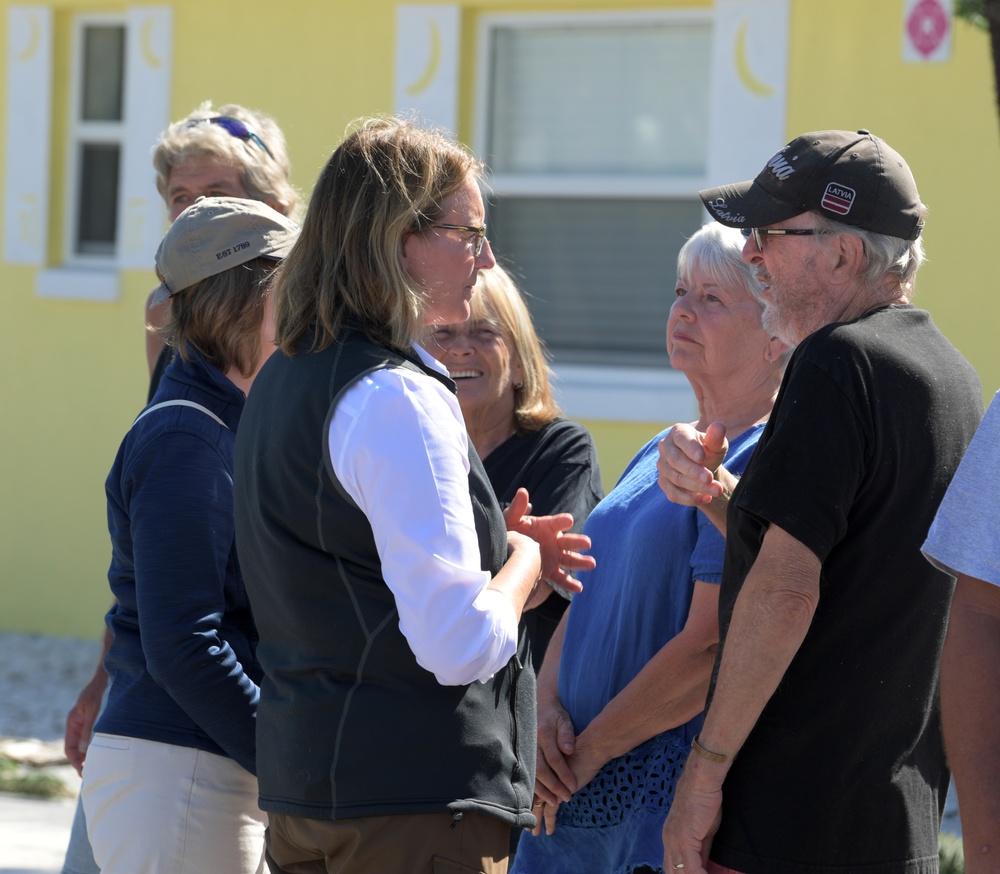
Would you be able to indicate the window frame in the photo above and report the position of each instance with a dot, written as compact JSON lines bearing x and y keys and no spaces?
{"x":96,"y":132}
{"x":597,"y":391}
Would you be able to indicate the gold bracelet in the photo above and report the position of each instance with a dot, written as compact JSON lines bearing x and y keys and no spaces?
{"x":707,"y":754}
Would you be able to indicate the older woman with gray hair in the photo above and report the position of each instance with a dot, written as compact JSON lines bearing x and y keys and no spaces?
{"x":624,"y":681}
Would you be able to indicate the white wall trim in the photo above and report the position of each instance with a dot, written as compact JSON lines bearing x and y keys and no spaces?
{"x":624,"y":394}
{"x":78,"y":283}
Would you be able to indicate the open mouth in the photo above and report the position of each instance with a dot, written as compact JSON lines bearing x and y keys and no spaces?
{"x":465,"y":374}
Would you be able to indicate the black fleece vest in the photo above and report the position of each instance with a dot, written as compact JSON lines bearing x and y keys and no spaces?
{"x":349,"y":724}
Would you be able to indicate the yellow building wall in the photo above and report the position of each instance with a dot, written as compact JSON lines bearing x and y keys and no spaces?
{"x":73,"y":374}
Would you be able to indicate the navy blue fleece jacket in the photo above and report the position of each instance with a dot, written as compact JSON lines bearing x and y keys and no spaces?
{"x":182,"y":664}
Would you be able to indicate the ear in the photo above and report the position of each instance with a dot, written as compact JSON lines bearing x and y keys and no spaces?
{"x":516,"y":371}
{"x":850,"y":255}
{"x":406,"y":252}
{"x":775,"y":349}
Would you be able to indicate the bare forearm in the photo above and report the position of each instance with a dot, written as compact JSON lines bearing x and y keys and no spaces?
{"x":548,"y":674}
{"x":521,"y":572}
{"x":100,"y":675}
{"x":718,"y":508}
{"x":970,"y":707}
{"x":770,"y":620}
{"x":669,"y":691}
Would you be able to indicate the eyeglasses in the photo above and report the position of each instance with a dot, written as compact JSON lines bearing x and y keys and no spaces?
{"x":234,"y":127}
{"x":480,"y":233}
{"x":757,"y":233}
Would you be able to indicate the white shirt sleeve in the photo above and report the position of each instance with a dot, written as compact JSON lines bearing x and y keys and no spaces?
{"x":963,"y":536}
{"x":399,"y":447}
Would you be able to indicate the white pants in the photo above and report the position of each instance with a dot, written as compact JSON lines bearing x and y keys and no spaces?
{"x":155,"y":808}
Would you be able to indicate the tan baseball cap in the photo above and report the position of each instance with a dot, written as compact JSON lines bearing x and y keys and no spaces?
{"x":215,"y":234}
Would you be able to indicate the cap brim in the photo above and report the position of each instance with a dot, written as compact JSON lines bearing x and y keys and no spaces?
{"x":746,"y":205}
{"x":160,"y":294}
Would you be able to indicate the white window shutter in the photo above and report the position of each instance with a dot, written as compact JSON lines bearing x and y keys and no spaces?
{"x":149,"y":56}
{"x":29,"y":113}
{"x":749,"y":92}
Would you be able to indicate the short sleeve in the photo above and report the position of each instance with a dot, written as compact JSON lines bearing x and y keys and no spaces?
{"x":963,"y":536}
{"x":806,"y":477}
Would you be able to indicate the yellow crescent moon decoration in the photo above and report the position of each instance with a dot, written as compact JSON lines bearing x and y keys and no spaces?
{"x":146,"y":41}
{"x":432,"y":63}
{"x":34,"y":38}
{"x":747,"y":77}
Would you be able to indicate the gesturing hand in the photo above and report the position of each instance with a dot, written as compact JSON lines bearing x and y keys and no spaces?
{"x":560,"y":548}
{"x":688,"y":460}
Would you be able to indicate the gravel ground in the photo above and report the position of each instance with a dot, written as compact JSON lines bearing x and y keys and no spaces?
{"x":40,"y":677}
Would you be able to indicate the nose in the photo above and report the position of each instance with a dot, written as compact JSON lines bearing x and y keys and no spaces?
{"x":461,"y":345}
{"x":485,"y":259}
{"x":751,"y":254}
{"x":680,"y":308}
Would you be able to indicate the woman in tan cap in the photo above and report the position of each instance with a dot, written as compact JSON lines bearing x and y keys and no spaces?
{"x":168,"y":782}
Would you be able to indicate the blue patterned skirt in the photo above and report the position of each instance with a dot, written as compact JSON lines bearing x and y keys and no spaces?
{"x":613,"y":825}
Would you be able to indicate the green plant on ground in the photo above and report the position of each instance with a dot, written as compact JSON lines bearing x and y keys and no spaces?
{"x":951,"y":855}
{"x":15,"y":779}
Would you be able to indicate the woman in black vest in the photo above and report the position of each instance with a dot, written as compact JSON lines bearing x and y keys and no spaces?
{"x":396,"y":730}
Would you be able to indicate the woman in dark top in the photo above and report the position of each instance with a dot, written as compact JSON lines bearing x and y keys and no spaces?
{"x":168,"y":782}
{"x":497,"y":363}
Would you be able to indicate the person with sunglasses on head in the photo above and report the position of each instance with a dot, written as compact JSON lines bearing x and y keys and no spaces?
{"x":168,"y":782}
{"x":821,"y":747}
{"x":396,"y":724}
{"x":225,"y":151}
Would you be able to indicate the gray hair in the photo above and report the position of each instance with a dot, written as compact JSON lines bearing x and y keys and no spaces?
{"x":884,"y":256}
{"x":265,"y":175}
{"x":718,"y":251}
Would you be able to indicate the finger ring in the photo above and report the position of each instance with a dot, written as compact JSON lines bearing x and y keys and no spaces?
{"x":678,"y":866}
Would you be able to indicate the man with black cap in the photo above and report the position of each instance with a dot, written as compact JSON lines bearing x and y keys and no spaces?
{"x":821,"y":747}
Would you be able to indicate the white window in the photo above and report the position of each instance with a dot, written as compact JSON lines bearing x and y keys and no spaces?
{"x":115,"y":88}
{"x":96,"y":138}
{"x":595,"y":129}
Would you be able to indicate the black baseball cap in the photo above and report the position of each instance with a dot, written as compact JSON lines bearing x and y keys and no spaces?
{"x":854,"y":178}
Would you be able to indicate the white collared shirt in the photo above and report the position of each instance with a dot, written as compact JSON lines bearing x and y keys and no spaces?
{"x":399,"y":447}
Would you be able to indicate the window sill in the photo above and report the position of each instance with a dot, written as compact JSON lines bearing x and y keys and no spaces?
{"x":624,"y":394}
{"x":78,"y":283}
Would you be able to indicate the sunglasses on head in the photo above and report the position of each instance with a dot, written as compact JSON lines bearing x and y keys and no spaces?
{"x":234,"y":127}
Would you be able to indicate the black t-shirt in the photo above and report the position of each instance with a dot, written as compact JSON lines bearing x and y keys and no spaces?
{"x":845,"y":767}
{"x":557,"y":464}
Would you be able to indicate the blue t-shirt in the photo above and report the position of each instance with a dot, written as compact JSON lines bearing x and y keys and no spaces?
{"x":649,"y":553}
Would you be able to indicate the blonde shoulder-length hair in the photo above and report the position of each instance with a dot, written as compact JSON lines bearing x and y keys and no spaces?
{"x":388,"y":179}
{"x":498,"y":299}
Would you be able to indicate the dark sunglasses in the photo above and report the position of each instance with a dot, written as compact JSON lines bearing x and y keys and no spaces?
{"x":235,"y":128}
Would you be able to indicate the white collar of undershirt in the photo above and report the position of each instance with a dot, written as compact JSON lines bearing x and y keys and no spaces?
{"x":429,"y":359}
